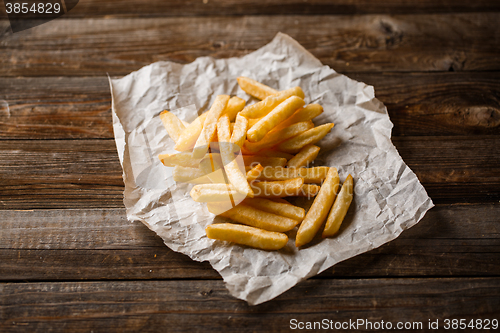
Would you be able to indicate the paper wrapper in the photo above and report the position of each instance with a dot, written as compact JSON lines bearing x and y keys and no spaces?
{"x":388,"y":198}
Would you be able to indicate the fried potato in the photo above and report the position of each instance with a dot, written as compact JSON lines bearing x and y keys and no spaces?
{"x":275,"y":207}
{"x":212,"y":166}
{"x":257,"y":218}
{"x":273,"y":118}
{"x":307,"y":113}
{"x":275,"y":137}
{"x":215,"y":193}
{"x":251,"y":160}
{"x":273,"y":153}
{"x":254,"y":88}
{"x":311,"y":136}
{"x":235,"y":175}
{"x":172,"y":124}
{"x":190,"y":175}
{"x":305,"y":156}
{"x":339,"y":209}
{"x":188,"y":137}
{"x":210,"y":126}
{"x":183,"y":159}
{"x":234,"y":105}
{"x":254,"y":173}
{"x":306,"y":190}
{"x":253,"y":121}
{"x":310,"y":175}
{"x":319,"y":210}
{"x":265,"y":106}
{"x":240,"y":131}
{"x":245,"y":235}
{"x":283,"y":188}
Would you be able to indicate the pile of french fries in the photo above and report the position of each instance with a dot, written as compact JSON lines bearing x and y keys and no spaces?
{"x":244,"y":160}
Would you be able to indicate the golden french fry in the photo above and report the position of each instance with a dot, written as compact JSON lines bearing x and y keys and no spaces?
{"x":254,"y":88}
{"x":310,"y":175}
{"x":283,"y":188}
{"x":311,"y":136}
{"x":339,"y":209}
{"x":254,"y":173}
{"x":185,"y":123}
{"x":279,"y":208}
{"x":319,"y":210}
{"x":251,"y":160}
{"x":212,"y":166}
{"x":273,"y":118}
{"x":257,"y":218}
{"x":307,"y":113}
{"x":253,"y":121}
{"x":265,"y":106}
{"x":240,"y":131}
{"x":305,"y":156}
{"x":234,"y":174}
{"x":245,"y":235}
{"x":172,"y":124}
{"x":273,"y":153}
{"x":275,"y":137}
{"x":215,"y":192}
{"x":188,"y":137}
{"x":210,"y":126}
{"x":307,"y":190}
{"x":183,"y":159}
{"x":234,"y":105}
{"x":280,"y":200}
{"x":190,"y":175}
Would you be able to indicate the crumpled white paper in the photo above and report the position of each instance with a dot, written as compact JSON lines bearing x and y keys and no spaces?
{"x":388,"y":198}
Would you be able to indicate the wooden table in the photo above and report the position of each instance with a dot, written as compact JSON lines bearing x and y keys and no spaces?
{"x":69,"y":259}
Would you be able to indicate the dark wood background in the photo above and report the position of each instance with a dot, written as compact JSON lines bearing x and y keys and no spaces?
{"x":69,"y":259}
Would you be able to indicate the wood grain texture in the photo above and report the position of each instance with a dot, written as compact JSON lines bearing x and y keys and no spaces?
{"x":418,"y":104}
{"x":75,"y":47}
{"x":86,"y":173}
{"x":58,"y":245}
{"x":191,"y":306}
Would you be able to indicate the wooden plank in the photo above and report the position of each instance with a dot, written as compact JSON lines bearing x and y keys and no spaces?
{"x":418,"y":104}
{"x":192,"y":306}
{"x":458,"y":42}
{"x":55,"y":245}
{"x":87,"y":174}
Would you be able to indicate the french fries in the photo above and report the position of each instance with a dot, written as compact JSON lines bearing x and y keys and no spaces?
{"x":258,"y":218}
{"x":172,"y":124}
{"x":276,"y":207}
{"x":254,"y":88}
{"x":319,"y":209}
{"x":235,"y":175}
{"x":274,"y":137}
{"x":277,"y":115}
{"x":283,"y":188}
{"x":188,"y":137}
{"x":309,"y":175}
{"x":305,"y":156}
{"x":182,"y":159}
{"x":311,"y":136}
{"x":190,"y":175}
{"x":243,"y":160}
{"x":234,"y":105}
{"x":245,"y":235}
{"x":251,"y":160}
{"x":240,"y":131}
{"x":254,"y":173}
{"x":210,"y":126}
{"x":339,"y":209}
{"x":265,"y":106}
